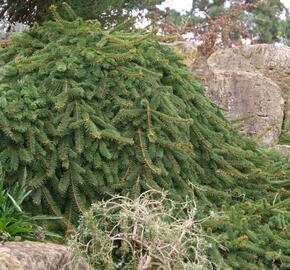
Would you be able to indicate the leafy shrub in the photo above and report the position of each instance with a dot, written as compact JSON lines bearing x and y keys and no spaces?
{"x":14,"y":222}
{"x":141,"y":233}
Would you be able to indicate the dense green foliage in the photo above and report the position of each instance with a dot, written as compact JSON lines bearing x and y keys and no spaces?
{"x":89,"y":112}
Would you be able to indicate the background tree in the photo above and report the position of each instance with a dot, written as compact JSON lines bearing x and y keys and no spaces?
{"x":212,"y":21}
{"x":266,"y":21}
{"x":211,"y":24}
{"x":264,"y":18}
{"x":224,"y":23}
{"x":108,"y":12}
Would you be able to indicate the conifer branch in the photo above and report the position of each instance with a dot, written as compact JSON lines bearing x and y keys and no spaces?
{"x":78,"y":132}
{"x":128,"y":73}
{"x":75,"y":198}
{"x":173,"y":118}
{"x":55,"y":14}
{"x":123,"y":25}
{"x":154,"y":169}
{"x":126,"y":173}
{"x":121,"y":56}
{"x":7,"y":43}
{"x":69,"y":10}
{"x":151,"y":133}
{"x":145,"y":37}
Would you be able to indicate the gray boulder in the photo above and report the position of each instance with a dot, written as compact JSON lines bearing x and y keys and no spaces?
{"x":35,"y":256}
{"x":238,"y":87}
{"x":250,"y":82}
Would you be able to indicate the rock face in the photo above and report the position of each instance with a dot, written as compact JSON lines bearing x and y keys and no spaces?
{"x":271,"y":60}
{"x":34,"y":256}
{"x":250,"y":82}
{"x":237,"y":86}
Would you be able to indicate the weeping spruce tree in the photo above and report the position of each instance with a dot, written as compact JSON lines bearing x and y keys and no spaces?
{"x":89,"y":112}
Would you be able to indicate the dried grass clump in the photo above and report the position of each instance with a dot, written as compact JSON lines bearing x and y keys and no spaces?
{"x":141,"y":233}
